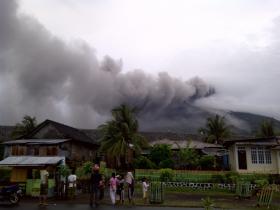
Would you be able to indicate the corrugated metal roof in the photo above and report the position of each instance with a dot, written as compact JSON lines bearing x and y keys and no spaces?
{"x":36,"y":141}
{"x":184,"y":144}
{"x":30,"y":161}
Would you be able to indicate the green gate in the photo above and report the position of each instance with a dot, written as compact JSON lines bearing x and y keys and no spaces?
{"x":156,"y":194}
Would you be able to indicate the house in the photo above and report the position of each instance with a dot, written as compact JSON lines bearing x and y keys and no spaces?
{"x":50,"y":139}
{"x":254,"y":155}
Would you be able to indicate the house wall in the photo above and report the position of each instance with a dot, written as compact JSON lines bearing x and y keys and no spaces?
{"x":272,"y":168}
{"x":232,"y":158}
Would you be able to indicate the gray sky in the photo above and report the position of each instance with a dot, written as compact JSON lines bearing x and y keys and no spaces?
{"x":232,"y":45}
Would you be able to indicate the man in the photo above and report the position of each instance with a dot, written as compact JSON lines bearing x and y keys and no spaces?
{"x":72,"y":179}
{"x":44,"y":175}
{"x":94,"y":185}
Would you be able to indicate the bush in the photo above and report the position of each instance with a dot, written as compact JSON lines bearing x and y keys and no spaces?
{"x":168,"y":163}
{"x":5,"y":174}
{"x":64,"y":170}
{"x":261,"y":182}
{"x":232,"y":177}
{"x":166,"y":174}
{"x":143,"y":162}
{"x":207,"y":162}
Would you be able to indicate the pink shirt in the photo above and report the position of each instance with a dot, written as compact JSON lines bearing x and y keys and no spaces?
{"x":113,"y":183}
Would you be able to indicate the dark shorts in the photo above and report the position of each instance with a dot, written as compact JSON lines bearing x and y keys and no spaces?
{"x":43,"y":189}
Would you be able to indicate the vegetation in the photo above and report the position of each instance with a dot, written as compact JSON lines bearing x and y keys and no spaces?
{"x":143,"y":162}
{"x":266,"y":129}
{"x":188,"y":158}
{"x":166,"y":174}
{"x":216,"y":130}
{"x":64,"y":170}
{"x":121,"y":135}
{"x":161,"y":154}
{"x":27,"y":124}
{"x":208,"y":203}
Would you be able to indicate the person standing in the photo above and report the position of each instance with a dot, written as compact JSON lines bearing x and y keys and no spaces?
{"x":72,"y":184}
{"x":94,"y":185}
{"x":145,"y":187}
{"x":130,"y":186}
{"x":113,"y":188}
{"x":101,"y":187}
{"x":44,"y":175}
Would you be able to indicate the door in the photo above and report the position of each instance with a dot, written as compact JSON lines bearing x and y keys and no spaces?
{"x":242,"y":159}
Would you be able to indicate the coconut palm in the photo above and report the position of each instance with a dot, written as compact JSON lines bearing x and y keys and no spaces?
{"x":216,"y":130}
{"x":27,"y":125}
{"x":266,"y":129}
{"x":120,"y":135}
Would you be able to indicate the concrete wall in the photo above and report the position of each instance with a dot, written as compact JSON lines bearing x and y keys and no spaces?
{"x":273,"y":168}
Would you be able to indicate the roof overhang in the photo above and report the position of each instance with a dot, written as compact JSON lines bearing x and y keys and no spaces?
{"x":24,"y":161}
{"x":36,"y":141}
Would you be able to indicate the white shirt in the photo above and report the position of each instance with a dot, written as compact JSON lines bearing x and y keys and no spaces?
{"x":145,"y":186}
{"x":72,"y":178}
{"x":44,"y":176}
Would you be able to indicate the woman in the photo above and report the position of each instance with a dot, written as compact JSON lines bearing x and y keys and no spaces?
{"x":113,"y":188}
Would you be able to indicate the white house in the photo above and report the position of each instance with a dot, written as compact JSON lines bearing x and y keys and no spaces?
{"x":254,"y":155}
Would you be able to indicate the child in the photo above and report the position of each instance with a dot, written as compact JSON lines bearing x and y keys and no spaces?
{"x":101,"y":187}
{"x":145,"y":187}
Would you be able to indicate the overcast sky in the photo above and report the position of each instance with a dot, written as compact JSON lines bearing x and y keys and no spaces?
{"x":233,"y":45}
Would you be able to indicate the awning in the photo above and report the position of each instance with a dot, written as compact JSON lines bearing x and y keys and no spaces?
{"x":31,"y":161}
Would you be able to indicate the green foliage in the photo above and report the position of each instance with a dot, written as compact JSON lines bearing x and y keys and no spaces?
{"x":166,"y":174}
{"x":232,"y":177}
{"x":188,"y":158}
{"x":216,"y":130}
{"x":168,"y":163}
{"x":64,"y":170}
{"x":84,"y":171}
{"x":160,"y":152}
{"x":5,"y":174}
{"x":207,"y":203}
{"x":143,"y":162}
{"x":206,"y":162}
{"x":266,"y":129}
{"x":27,"y":125}
{"x":121,"y":133}
{"x":261,"y":182}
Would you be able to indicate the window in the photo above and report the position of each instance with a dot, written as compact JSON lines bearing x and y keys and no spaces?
{"x":254,"y":155}
{"x":268,"y":156}
{"x":260,"y":155}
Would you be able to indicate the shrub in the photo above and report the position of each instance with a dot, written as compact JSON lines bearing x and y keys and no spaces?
{"x":261,"y":182}
{"x":232,"y":177}
{"x":166,"y":174}
{"x":207,"y":162}
{"x":64,"y":170}
{"x":5,"y":174}
{"x":208,"y":203}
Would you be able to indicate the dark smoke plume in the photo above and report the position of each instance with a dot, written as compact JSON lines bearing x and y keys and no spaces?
{"x":44,"y":76}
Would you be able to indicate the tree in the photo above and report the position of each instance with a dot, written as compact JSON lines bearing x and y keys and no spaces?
{"x":266,"y":129}
{"x":161,"y":154}
{"x":120,"y":135}
{"x":27,"y":125}
{"x":216,"y":130}
{"x":188,"y":158}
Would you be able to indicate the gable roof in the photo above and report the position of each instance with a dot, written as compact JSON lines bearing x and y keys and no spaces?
{"x":68,"y":132}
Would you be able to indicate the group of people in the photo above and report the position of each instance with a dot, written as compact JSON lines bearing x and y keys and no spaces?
{"x":116,"y":184}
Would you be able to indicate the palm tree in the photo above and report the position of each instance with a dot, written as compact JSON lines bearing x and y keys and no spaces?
{"x":120,"y":135}
{"x":216,"y":130}
{"x":27,"y":125}
{"x":266,"y":129}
